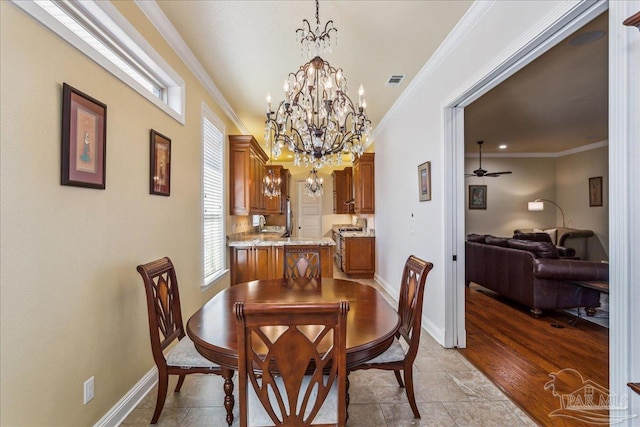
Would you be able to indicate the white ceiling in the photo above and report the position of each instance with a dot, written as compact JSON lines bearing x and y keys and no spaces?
{"x":249,"y":47}
{"x":556,"y":103}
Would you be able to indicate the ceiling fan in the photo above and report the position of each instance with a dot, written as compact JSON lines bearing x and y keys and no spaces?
{"x":482,"y":172}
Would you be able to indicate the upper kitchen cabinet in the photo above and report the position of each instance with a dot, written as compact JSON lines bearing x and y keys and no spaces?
{"x":278,"y":205}
{"x":364,"y":184}
{"x":342,"y":191}
{"x":246,"y":171}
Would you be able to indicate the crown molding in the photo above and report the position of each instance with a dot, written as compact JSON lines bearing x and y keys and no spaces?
{"x":157,"y":17}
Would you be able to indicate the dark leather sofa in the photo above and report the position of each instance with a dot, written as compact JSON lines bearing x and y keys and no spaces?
{"x":531,"y":273}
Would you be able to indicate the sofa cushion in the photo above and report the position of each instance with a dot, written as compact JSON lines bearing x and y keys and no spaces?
{"x":478,"y":238}
{"x":496,"y":241}
{"x":539,"y":249}
{"x":536,"y":237}
{"x":562,"y":269}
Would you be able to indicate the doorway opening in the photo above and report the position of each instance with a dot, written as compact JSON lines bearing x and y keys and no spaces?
{"x":456,"y":228}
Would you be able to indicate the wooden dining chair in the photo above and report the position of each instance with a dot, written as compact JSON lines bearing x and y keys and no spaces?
{"x":302,"y":261}
{"x":294,"y":358}
{"x":395,"y":358}
{"x":165,"y":326}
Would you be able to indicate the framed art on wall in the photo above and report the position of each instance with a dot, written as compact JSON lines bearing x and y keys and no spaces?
{"x":477,"y":197}
{"x":160,"y":168}
{"x":424,"y":181}
{"x":84,"y":140}
{"x":595,"y":191}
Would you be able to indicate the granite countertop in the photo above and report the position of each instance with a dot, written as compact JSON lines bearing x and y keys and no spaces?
{"x":358,"y":234}
{"x":271,"y":238}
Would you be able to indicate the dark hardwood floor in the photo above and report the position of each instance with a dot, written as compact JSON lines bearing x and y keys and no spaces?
{"x":518,"y":352}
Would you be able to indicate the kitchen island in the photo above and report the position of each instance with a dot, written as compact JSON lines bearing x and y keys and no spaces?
{"x":355,"y":252}
{"x":260,"y":255}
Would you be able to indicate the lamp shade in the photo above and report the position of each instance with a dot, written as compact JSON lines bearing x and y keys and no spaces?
{"x":536,"y":206}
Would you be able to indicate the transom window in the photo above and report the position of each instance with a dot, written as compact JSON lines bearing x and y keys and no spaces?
{"x":100,"y":31}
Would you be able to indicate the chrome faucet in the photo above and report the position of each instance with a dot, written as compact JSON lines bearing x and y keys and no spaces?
{"x":261,"y":222}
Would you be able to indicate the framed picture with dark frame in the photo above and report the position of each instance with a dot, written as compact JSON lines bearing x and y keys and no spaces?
{"x":595,"y":191}
{"x":424,"y":181}
{"x":84,"y":140}
{"x":477,"y":197}
{"x":160,"y":167}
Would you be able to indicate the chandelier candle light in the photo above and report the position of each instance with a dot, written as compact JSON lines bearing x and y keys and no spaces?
{"x":317,"y":120}
{"x":313,"y":185}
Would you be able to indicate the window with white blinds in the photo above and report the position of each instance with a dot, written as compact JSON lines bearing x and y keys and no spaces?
{"x":212,"y":197}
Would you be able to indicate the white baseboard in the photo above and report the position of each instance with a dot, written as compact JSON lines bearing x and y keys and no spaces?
{"x":129,"y":401}
{"x":436,"y":332}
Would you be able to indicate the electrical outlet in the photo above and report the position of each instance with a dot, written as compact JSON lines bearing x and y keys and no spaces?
{"x":88,"y":390}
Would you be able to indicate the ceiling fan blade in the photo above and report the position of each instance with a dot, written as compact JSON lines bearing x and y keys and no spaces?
{"x":494,"y":174}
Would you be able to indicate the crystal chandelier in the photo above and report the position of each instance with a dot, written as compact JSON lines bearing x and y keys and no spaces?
{"x":313,"y":185}
{"x":317,"y":120}
{"x":271,"y":183}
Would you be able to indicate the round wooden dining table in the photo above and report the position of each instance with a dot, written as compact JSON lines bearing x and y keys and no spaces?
{"x":371,"y":321}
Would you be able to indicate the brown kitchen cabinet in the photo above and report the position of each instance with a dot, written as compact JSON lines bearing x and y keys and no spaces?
{"x":342,"y":191}
{"x":364,"y":184}
{"x":251,"y":263}
{"x":278,"y":205}
{"x":359,"y":256}
{"x":246,"y":171}
{"x":267,"y":262}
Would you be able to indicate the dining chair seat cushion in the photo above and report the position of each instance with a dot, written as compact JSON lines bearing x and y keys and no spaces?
{"x":326,"y":415}
{"x":395,"y":353}
{"x":185,"y":355}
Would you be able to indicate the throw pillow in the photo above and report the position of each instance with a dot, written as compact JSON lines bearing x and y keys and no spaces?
{"x":553,"y":233}
{"x":539,"y":249}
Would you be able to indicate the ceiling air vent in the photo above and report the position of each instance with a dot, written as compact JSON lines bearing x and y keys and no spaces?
{"x":395,"y":80}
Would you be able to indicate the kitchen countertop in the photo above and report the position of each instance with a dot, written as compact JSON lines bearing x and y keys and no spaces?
{"x":255,"y":238}
{"x":357,"y":234}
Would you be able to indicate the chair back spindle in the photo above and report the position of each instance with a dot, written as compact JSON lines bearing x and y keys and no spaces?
{"x":292,"y":357}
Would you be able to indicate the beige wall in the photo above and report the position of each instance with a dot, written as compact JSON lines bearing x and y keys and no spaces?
{"x":72,"y":304}
{"x":507,"y":195}
{"x":563,"y":180}
{"x":573,"y":175}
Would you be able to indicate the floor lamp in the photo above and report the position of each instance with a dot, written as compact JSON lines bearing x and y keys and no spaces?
{"x":538,"y":205}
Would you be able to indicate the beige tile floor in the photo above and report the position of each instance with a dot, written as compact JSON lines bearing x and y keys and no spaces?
{"x":449,"y":392}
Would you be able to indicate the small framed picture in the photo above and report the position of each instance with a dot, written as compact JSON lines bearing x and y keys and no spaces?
{"x":84,"y":140}
{"x":424,"y":181}
{"x":477,"y":197}
{"x":160,"y":168}
{"x":595,"y":191}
